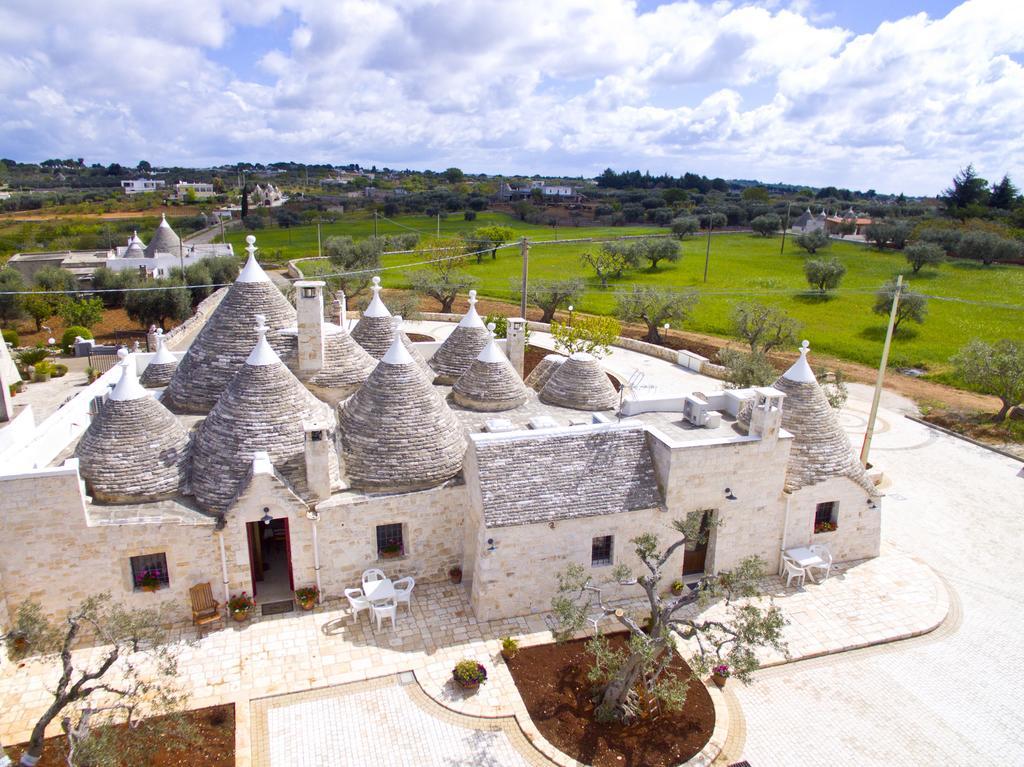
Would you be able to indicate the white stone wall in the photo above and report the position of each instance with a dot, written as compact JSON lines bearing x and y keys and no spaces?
{"x":858,"y":533}
{"x":520,"y":576}
{"x":50,"y":554}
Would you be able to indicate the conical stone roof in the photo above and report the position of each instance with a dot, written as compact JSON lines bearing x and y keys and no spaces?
{"x":165,"y":240}
{"x":543,"y":370}
{"x":580,"y":383}
{"x":264,"y":408}
{"x":376,"y":330}
{"x":160,"y":369}
{"x":134,"y":450}
{"x":220,"y":349}
{"x":491,"y":383}
{"x":346,"y":366}
{"x":396,"y":431}
{"x":136,"y":247}
{"x":821,"y":449}
{"x":460,"y":349}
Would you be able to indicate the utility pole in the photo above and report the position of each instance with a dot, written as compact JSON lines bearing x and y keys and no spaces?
{"x":707,"y":254}
{"x":866,"y":447}
{"x":785,"y":228}
{"x":438,"y":224}
{"x":221,"y":219}
{"x":375,"y":225}
{"x":319,"y":250}
{"x":524,"y":250}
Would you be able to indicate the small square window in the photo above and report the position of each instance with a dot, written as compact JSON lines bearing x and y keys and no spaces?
{"x":601,"y":551}
{"x":389,"y":541}
{"x":149,"y":571}
{"x":826,"y":517}
{"x":308,"y":292}
{"x":316,"y":436}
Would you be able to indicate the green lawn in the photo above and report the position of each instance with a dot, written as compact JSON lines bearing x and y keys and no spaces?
{"x":744,"y":267}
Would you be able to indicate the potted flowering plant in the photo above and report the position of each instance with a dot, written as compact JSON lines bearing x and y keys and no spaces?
{"x":824,"y":527}
{"x":469,"y":674}
{"x":455,"y":574}
{"x":677,"y":587}
{"x":307,"y":596}
{"x":150,"y":579}
{"x":240,"y":605}
{"x":720,"y":673}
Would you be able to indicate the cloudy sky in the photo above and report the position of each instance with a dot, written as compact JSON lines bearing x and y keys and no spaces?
{"x":894,"y":95}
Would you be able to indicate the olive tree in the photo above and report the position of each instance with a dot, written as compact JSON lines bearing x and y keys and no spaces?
{"x":743,"y":370}
{"x":685,"y":225}
{"x":996,"y":369}
{"x":654,"y":307}
{"x":608,"y":261}
{"x":442,"y":279}
{"x":825,"y":274}
{"x":653,"y":250}
{"x":488,"y":238}
{"x":912,"y":306}
{"x":763,"y":327}
{"x":813,"y":241}
{"x":585,"y":333}
{"x":921,"y":254}
{"x":550,"y":295}
{"x":133,"y":672}
{"x":353,"y":263}
{"x":766,"y":225}
{"x":987,"y":247}
{"x":628,"y":678}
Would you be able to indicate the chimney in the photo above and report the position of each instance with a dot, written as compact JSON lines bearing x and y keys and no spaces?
{"x":309,"y":309}
{"x":515,"y":338}
{"x":766,"y":416}
{"x":318,"y":447}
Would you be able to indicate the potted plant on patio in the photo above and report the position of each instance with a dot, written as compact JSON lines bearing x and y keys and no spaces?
{"x":149,"y":580}
{"x":469,"y":674}
{"x":677,"y":587}
{"x":720,"y":673}
{"x":509,"y":648}
{"x":307,"y":597}
{"x":455,"y":574}
{"x":240,"y":605}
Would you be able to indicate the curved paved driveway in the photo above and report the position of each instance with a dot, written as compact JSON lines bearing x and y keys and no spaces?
{"x":956,"y":698}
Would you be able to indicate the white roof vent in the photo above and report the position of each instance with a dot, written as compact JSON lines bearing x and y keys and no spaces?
{"x":543,"y":422}
{"x":497,"y":425}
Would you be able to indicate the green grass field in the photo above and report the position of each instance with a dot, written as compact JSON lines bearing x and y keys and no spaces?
{"x":988,"y":302}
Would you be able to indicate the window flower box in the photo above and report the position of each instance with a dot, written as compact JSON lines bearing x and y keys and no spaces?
{"x":824,"y":527}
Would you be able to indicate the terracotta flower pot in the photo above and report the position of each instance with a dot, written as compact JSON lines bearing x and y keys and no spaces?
{"x":308,"y":604}
{"x":455,"y":576}
{"x":465,"y":684}
{"x":719,"y":679}
{"x":240,"y":615}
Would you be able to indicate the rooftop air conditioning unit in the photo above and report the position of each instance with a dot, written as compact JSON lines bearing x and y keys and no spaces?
{"x":699,"y":413}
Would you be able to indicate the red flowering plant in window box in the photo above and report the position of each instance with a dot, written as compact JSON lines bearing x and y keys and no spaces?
{"x":150,"y":579}
{"x":824,"y":527}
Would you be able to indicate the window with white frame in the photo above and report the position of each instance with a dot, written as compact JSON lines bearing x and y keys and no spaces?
{"x":149,"y":572}
{"x":601,"y":551}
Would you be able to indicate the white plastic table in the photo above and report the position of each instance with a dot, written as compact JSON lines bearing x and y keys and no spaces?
{"x":378,"y":591}
{"x":805,"y":558}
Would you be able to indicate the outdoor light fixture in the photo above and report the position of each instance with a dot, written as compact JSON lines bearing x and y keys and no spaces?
{"x":266,"y":518}
{"x":729,"y":494}
{"x":872,"y":504}
{"x":490,"y":544}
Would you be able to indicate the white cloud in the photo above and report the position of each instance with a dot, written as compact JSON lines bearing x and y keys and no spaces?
{"x":769,"y":90}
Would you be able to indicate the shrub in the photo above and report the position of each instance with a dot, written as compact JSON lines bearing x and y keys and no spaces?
{"x":34,"y":356}
{"x":824,"y":273}
{"x":67,"y":340}
{"x":82,"y":311}
{"x":469,"y":215}
{"x":11,"y":337}
{"x":766,"y":225}
{"x":59,"y":369}
{"x":500,"y":324}
{"x":812,"y":241}
{"x":468,"y":671}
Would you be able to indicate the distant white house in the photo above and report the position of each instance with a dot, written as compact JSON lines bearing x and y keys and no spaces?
{"x":548,"y":192}
{"x":142,"y":185}
{"x":199,"y":189}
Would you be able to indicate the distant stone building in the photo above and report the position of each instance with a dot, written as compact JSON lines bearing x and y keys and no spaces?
{"x":266,"y":196}
{"x":142,"y":185}
{"x":199,"y":190}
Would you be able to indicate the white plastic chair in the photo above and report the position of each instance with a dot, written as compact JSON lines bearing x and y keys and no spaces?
{"x":793,"y":572}
{"x":373,"y":574}
{"x":384,"y":610}
{"x":821,"y":552}
{"x":403,"y":591}
{"x":357,"y":602}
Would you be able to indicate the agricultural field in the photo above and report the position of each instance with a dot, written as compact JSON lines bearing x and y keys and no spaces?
{"x":969,"y":300}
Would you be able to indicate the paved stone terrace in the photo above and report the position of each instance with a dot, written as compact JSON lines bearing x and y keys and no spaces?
{"x":892,"y":596}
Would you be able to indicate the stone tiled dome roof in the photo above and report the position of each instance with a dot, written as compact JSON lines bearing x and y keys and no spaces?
{"x":491,"y":383}
{"x":460,"y":349}
{"x":220,"y":349}
{"x":346,"y":363}
{"x":396,"y":431}
{"x":165,"y":240}
{"x":136,"y":247}
{"x":543,"y":370}
{"x":264,"y":408}
{"x":134,"y":450}
{"x":376,"y":330}
{"x":580,"y":383}
{"x":160,"y":369}
{"x":821,"y":449}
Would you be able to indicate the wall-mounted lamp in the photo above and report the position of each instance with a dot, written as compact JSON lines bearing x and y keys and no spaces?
{"x":872,"y":504}
{"x":729,"y":494}
{"x":490,"y":544}
{"x":551,"y":525}
{"x":266,"y":518}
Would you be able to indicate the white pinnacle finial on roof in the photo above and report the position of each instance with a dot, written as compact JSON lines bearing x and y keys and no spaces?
{"x":491,"y":352}
{"x":376,"y":307}
{"x":128,"y":387}
{"x":471,"y":318}
{"x":262,"y":353}
{"x":163,"y":355}
{"x":252,"y":271}
{"x":397,"y":354}
{"x":801,"y":371}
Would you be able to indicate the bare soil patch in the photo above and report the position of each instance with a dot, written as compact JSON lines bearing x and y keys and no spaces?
{"x":214,"y":746}
{"x":552,"y":679}
{"x":115,"y":328}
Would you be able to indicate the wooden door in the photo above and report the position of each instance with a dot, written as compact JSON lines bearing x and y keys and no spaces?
{"x":252,"y":530}
{"x":695,"y":553}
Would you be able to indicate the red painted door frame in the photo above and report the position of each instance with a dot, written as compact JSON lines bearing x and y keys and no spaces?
{"x":249,"y":528}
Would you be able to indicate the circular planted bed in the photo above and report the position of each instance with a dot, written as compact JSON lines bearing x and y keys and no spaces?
{"x":552,"y":680}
